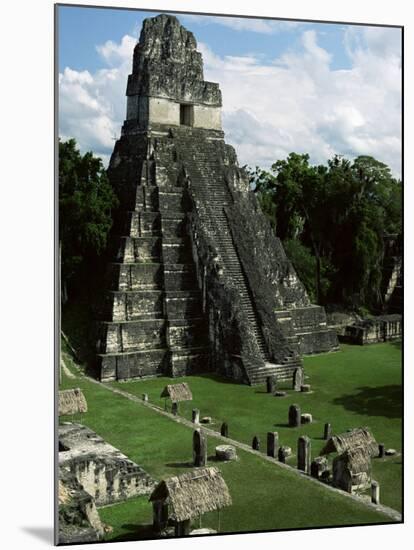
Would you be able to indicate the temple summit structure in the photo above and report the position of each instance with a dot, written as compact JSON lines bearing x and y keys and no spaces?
{"x":199,"y":281}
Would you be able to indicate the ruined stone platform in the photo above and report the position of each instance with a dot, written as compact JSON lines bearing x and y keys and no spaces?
{"x":382,"y":328}
{"x":105,"y":473}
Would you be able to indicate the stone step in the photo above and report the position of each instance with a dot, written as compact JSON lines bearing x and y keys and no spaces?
{"x":174,"y":227}
{"x":172,"y":202}
{"x":139,"y":249}
{"x":191,"y":361}
{"x":259,"y":377}
{"x":186,"y":333}
{"x":183,"y":304}
{"x":136,"y":364}
{"x":135,"y":305}
{"x":146,"y":198}
{"x":175,"y":279}
{"x":120,"y":337}
{"x":135,"y":276}
{"x":142,"y":224}
{"x":178,"y":252}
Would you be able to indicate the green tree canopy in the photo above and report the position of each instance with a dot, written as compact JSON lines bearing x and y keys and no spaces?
{"x":340,"y":213}
{"x":86,"y":200}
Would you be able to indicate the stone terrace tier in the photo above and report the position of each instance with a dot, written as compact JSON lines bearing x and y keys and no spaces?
{"x":154,"y":320}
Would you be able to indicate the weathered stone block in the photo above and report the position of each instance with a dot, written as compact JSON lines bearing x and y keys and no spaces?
{"x":224,"y":430}
{"x":318,"y":466}
{"x":283,"y":453}
{"x":199,"y":448}
{"x":272,"y":444}
{"x":271,"y":384}
{"x":294,"y":416}
{"x":304,"y":454}
{"x":375,"y":492}
{"x":195,"y":418}
{"x":226,"y":452}
{"x":306,"y":418}
{"x":256,"y":443}
{"x":298,"y":378}
{"x":327,"y":431}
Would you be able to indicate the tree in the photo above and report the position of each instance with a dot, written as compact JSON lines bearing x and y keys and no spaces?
{"x":86,"y":200}
{"x":297,"y":190}
{"x":340,"y":214}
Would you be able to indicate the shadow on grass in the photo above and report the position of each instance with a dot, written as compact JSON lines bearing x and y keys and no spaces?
{"x":382,"y":401}
{"x":213,"y":458}
{"x":135,"y":532}
{"x":217,"y":378}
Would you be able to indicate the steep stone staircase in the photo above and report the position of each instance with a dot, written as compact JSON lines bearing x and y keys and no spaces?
{"x":202,"y":162}
{"x":186,"y":325}
{"x":156,"y":324}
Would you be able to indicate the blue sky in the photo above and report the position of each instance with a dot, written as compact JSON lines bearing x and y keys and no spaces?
{"x":287,"y":86}
{"x":80,"y":29}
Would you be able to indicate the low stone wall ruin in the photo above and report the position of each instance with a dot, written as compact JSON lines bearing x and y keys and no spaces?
{"x":104,"y":472}
{"x":384,"y":328}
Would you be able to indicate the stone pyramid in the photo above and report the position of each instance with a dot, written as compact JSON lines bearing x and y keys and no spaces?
{"x":199,"y":282}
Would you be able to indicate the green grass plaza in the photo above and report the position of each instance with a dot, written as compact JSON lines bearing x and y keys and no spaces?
{"x":354,"y":387}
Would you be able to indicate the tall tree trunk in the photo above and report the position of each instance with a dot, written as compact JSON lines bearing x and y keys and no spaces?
{"x":318,"y":268}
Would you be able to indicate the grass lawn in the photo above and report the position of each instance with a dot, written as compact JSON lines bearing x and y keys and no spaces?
{"x":358,"y":386}
{"x":264,"y":496}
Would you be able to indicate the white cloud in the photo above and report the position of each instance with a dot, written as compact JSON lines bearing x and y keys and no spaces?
{"x":263,"y":26}
{"x":92,"y":106}
{"x":114,"y":53}
{"x":301,"y":104}
{"x":297,"y":103}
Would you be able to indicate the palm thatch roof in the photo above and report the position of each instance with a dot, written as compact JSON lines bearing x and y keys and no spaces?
{"x":358,"y":437}
{"x":191,"y":494}
{"x":72,"y":402}
{"x":178,"y":392}
{"x":357,"y":460}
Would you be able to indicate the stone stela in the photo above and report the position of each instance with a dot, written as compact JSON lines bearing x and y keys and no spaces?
{"x":304,"y":454}
{"x":294,"y":416}
{"x":224,"y":430}
{"x":272,"y":444}
{"x":199,"y":448}
{"x":195,"y":417}
{"x":298,"y":379}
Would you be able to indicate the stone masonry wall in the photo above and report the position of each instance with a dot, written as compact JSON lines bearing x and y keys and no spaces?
{"x":102,"y":470}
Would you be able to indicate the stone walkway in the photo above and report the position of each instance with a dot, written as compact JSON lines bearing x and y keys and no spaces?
{"x":390,"y":512}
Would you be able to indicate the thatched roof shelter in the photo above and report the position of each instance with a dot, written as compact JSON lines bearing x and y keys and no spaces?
{"x":352,"y":469}
{"x":359,"y":437}
{"x":357,"y":459}
{"x":72,"y":402}
{"x":178,"y":392}
{"x":194,"y":493}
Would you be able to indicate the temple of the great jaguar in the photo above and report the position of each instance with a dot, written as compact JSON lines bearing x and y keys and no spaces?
{"x":199,"y":281}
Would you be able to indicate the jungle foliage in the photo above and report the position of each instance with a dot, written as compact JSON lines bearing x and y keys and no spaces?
{"x":333,"y":220}
{"x":86,"y":200}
